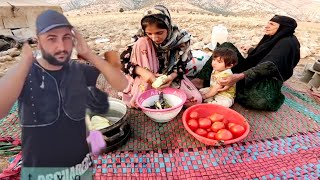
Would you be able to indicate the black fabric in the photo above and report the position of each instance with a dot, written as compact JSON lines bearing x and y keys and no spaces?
{"x":97,"y":101}
{"x":61,"y":144}
{"x":282,"y":49}
{"x":284,"y":20}
{"x":91,"y":73}
{"x":264,"y":94}
{"x":262,"y":70}
{"x":285,"y":55}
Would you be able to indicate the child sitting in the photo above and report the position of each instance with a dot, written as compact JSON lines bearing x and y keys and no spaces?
{"x":224,"y":60}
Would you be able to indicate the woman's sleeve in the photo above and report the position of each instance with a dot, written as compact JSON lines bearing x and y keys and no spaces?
{"x":127,"y":66}
{"x":272,"y":64}
{"x":250,"y":50}
{"x":265,"y":69}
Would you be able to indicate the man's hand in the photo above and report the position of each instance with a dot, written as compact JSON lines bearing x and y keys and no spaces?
{"x":81,"y":46}
{"x":145,"y":74}
{"x":113,"y":58}
{"x":26,"y":53}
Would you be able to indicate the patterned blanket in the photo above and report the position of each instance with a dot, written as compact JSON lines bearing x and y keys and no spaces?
{"x":281,"y":145}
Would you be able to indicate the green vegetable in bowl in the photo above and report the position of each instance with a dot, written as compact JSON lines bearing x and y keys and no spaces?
{"x":160,"y":104}
{"x":97,"y":122}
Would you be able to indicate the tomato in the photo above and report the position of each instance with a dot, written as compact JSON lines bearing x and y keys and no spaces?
{"x":217,"y":126}
{"x":204,"y":123}
{"x":211,"y":135}
{"x":223,"y":134}
{"x":237,"y":130}
{"x":225,"y":122}
{"x":209,"y":129}
{"x":193,"y":124}
{"x":194,"y":115}
{"x":230,"y":125}
{"x":201,"y":132}
{"x":216,"y":117}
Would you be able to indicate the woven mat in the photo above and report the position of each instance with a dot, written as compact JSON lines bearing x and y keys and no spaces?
{"x":283,"y":144}
{"x":9,"y":126}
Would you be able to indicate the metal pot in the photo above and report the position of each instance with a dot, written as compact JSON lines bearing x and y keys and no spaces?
{"x":118,"y":133}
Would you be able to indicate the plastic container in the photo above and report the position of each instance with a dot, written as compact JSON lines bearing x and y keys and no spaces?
{"x":219,"y":35}
{"x":175,"y":97}
{"x":205,"y":110}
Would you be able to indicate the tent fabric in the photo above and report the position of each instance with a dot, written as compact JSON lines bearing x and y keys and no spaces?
{"x":24,"y":3}
{"x":17,"y":17}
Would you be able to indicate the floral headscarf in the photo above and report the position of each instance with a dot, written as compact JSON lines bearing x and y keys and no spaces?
{"x":176,"y":46}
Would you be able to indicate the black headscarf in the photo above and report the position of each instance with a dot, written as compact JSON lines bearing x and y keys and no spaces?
{"x":285,"y":57}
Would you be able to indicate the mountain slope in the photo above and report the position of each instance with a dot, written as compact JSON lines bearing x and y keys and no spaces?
{"x":306,"y":10}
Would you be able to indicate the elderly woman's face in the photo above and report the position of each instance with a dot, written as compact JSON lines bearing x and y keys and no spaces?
{"x":271,"y":28}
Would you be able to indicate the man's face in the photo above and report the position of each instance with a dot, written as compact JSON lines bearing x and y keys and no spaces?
{"x":56,"y":45}
{"x":271,"y":28}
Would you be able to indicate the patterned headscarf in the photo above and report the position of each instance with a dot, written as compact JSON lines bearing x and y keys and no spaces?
{"x":177,"y":39}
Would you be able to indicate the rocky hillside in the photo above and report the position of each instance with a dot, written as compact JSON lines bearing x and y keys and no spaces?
{"x":306,"y":10}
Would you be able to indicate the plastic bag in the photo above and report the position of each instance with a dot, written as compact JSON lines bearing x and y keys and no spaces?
{"x":199,"y":59}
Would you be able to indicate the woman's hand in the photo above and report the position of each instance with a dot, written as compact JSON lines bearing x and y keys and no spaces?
{"x":245,"y":48}
{"x":223,"y":88}
{"x":168,"y":81}
{"x":197,"y":82}
{"x":229,"y":81}
{"x":203,"y":95}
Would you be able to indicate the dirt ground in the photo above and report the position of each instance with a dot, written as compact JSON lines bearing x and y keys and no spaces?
{"x":119,"y":27}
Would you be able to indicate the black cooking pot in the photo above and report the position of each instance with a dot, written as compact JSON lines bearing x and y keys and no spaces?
{"x":119,"y":132}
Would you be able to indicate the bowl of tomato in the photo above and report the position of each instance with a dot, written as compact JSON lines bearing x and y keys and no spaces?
{"x":215,"y":125}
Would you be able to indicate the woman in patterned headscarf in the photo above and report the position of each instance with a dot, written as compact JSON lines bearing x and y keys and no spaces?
{"x":161,"y":49}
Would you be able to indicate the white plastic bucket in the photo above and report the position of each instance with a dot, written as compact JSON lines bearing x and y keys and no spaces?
{"x":219,"y":35}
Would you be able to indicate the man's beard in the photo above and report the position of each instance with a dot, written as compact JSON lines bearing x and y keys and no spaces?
{"x":52,"y":60}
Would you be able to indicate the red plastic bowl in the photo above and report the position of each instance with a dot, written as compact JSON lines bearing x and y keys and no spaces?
{"x":205,"y":110}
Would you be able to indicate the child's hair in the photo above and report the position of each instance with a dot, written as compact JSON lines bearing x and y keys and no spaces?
{"x":228,"y":55}
{"x":152,"y":20}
